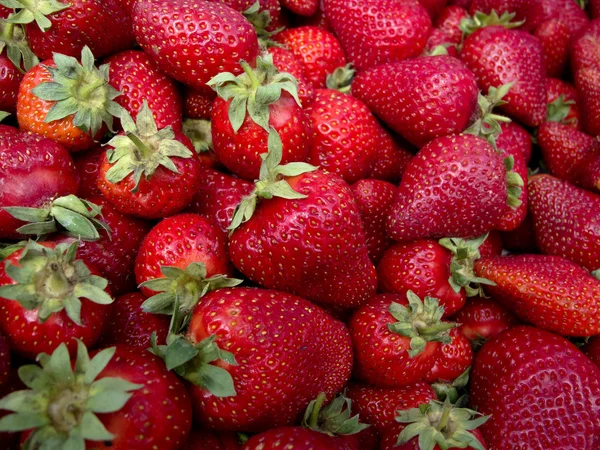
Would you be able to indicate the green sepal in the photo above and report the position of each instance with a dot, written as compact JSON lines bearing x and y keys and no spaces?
{"x":36,"y":11}
{"x":486,"y":124}
{"x":514,"y":183}
{"x":462,"y":267}
{"x":470,"y":25}
{"x":12,"y":38}
{"x":453,"y":390}
{"x":439,"y":50}
{"x":559,"y":109}
{"x":199,"y":132}
{"x":596,"y":274}
{"x":341,"y":79}
{"x":261,"y":20}
{"x":8,"y":249}
{"x":335,"y":419}
{"x":421,"y":321}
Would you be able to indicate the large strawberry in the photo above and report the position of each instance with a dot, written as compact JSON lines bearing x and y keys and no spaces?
{"x":521,"y":377}
{"x":375,"y":32}
{"x":119,"y":398}
{"x":48,"y":297}
{"x":194,"y":40}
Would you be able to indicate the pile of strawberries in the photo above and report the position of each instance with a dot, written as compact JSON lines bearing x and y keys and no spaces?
{"x":299,"y":224}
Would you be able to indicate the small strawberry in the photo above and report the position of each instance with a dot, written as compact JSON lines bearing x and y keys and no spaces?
{"x":562,"y":102}
{"x":301,"y":7}
{"x":587,"y":82}
{"x":48,"y":297}
{"x":286,"y":61}
{"x":483,"y":318}
{"x":554,"y":37}
{"x":592,"y":350}
{"x":198,"y":105}
{"x":453,"y":360}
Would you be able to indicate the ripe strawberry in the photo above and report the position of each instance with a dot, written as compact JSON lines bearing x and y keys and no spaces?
{"x":67,"y":101}
{"x":554,"y":37}
{"x":375,"y":32}
{"x":453,"y":359}
{"x":137,"y":78}
{"x":318,"y":19}
{"x":198,"y":105}
{"x":119,"y":398}
{"x":587,"y":173}
{"x":4,"y":362}
{"x":592,"y":350}
{"x":301,"y":7}
{"x":199,"y":439}
{"x":587,"y":82}
{"x":565,"y":220}
{"x":147,"y":172}
{"x":522,"y":238}
{"x":584,"y":54}
{"x":320,"y":51}
{"x":47,"y":297}
{"x":286,"y":61}
{"x":88,"y":167}
{"x":68,"y":27}
{"x":207,"y":30}
{"x":448,"y":21}
{"x":550,"y":292}
{"x":562,"y":102}
{"x":492,"y":246}
{"x":397,"y":341}
{"x":402,"y":95}
{"x":272,"y":7}
{"x":483,"y":318}
{"x":522,"y":375}
{"x":515,"y":213}
{"x":391,"y":158}
{"x":563,"y":148}
{"x":514,"y":139}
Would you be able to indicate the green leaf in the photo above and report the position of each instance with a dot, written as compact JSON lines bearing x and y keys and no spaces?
{"x":92,"y":293}
{"x":98,"y":363}
{"x":216,"y":379}
{"x":21,"y":422}
{"x":28,"y":214}
{"x":75,"y":223}
{"x":59,"y":365}
{"x":73,"y":309}
{"x":179,"y":352}
{"x":237,"y":112}
{"x":93,"y":429}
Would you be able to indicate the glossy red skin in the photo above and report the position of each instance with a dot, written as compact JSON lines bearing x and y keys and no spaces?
{"x":389,"y":439}
{"x":421,"y":266}
{"x":313,"y":247}
{"x":453,"y":360}
{"x":513,"y":217}
{"x":318,"y":19}
{"x":4,"y":361}
{"x":448,"y":21}
{"x":179,"y":241}
{"x":129,"y":325}
{"x":391,"y":158}
{"x":563,"y":148}
{"x":197,"y":105}
{"x":165,"y":194}
{"x":301,"y":7}
{"x":554,"y":38}
{"x":566,"y":220}
{"x":587,"y":82}
{"x":133,"y":73}
{"x":170,"y":45}
{"x":199,"y":439}
{"x":374,"y":198}
{"x":556,"y":87}
{"x":28,"y":337}
{"x":344,"y":135}
{"x":471,"y":179}
{"x":401,"y":95}
{"x":550,"y":292}
{"x":284,"y":344}
{"x":522,"y":238}
{"x":88,"y":167}
{"x":375,"y":32}
{"x":378,"y":406}
{"x":587,"y":173}
{"x":10,"y":79}
{"x":498,"y":56}
{"x":218,"y":196}
{"x":484,"y":318}
{"x":319,"y":49}
{"x":298,"y":438}
{"x":592,"y":350}
{"x":33,"y":171}
{"x":584,"y":48}
{"x":492,"y":246}
{"x":514,"y":139}
{"x":549,"y":390}
{"x":381,"y":357}
{"x":286,"y":61}
{"x":85,"y":22}
{"x":240,"y":151}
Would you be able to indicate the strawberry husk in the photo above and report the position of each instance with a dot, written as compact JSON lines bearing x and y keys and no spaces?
{"x":27,"y":11}
{"x":199,"y":132}
{"x":341,"y":79}
{"x":335,"y":419}
{"x":452,"y":391}
{"x":479,"y":20}
{"x":559,"y":109}
{"x":261,"y":20}
{"x":12,"y":38}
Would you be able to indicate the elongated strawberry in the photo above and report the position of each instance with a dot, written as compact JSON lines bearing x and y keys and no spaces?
{"x":483,"y":318}
{"x":217,"y":35}
{"x":48,"y":297}
{"x":526,"y":360}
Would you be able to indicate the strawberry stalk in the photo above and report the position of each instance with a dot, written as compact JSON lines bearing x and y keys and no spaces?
{"x":28,"y":11}
{"x":559,"y":109}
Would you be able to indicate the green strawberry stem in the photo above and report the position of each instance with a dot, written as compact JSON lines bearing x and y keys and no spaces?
{"x":451,"y":390}
{"x":334,"y":419}
{"x":316,"y":410}
{"x":260,"y":20}
{"x":559,"y":109}
{"x":487,"y":124}
{"x":514,"y":183}
{"x":251,"y":75}
{"x":199,"y":132}
{"x":470,"y":25}
{"x":341,"y":79}
{"x":28,"y":11}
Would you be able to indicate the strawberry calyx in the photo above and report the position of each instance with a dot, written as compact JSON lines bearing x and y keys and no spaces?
{"x":51,"y":280}
{"x":271,"y":183}
{"x":559,"y":109}
{"x":199,"y":132}
{"x":12,"y":38}
{"x":486,"y":124}
{"x":341,"y":79}
{"x":142,"y":149}
{"x":440,"y":50}
{"x":261,"y":20}
{"x":28,"y":11}
{"x":595,"y":274}
{"x":444,"y":424}
{"x":63,"y":401}
{"x":8,"y":249}
{"x":421,"y":321}
{"x":254,"y":90}
{"x":80,"y":90}
{"x":514,"y":183}
{"x":479,"y":20}
{"x":462,"y":267}
{"x":452,"y":390}
{"x":335,"y":419}
{"x":79,"y":218}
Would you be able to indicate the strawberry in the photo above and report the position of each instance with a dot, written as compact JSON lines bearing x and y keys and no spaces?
{"x":492,"y":245}
{"x":348,"y":151}
{"x":447,"y":32}
{"x":524,"y":374}
{"x":522,"y":238}
{"x":402,"y":95}
{"x":67,"y":101}
{"x":562,"y":102}
{"x":433,"y":7}
{"x":67,"y":27}
{"x":550,"y":292}
{"x":584,"y":54}
{"x":592,"y":350}
{"x":198,"y":105}
{"x":48,"y":297}
{"x":391,"y":159}
{"x":134,"y":74}
{"x":118,"y":398}
{"x":147,"y":172}
{"x":453,"y":360}
{"x":170,"y":31}
{"x":397,"y":341}
{"x":565,"y":220}
{"x":318,"y":19}
{"x":318,"y":49}
{"x":374,"y":198}
{"x":554,"y":38}
{"x":301,"y":7}
{"x":4,"y":361}
{"x":270,"y":7}
{"x":514,"y":139}
{"x":375,"y":32}
{"x":242,"y":117}
{"x":587,"y":82}
{"x":207,"y":440}
{"x":587,"y":173}
{"x":483,"y":318}
{"x":88,"y":167}
{"x":286,"y":61}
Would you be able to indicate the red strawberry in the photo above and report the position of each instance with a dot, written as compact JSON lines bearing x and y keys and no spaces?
{"x":397,"y":341}
{"x":453,"y":360}
{"x":4,"y":362}
{"x":483,"y":318}
{"x":584,"y":54}
{"x":514,"y":139}
{"x":344,"y":135}
{"x":272,"y":7}
{"x":492,"y":245}
{"x":124,"y":397}
{"x":298,"y":438}
{"x":208,"y":440}
{"x":433,"y":7}
{"x":587,"y":173}
{"x":129,"y":325}
{"x":318,"y":19}
{"x":320,"y":51}
{"x":562,"y":102}
{"x":147,"y":172}
{"x":286,"y":61}
{"x":374,"y":198}
{"x":448,"y":21}
{"x":587,"y":82}
{"x":391,"y":159}
{"x":592,"y":350}
{"x":375,"y":32}
{"x":550,"y":292}
{"x":198,"y":105}
{"x":47,"y":297}
{"x":514,"y":213}
{"x":566,"y":219}
{"x":523,"y":375}
{"x":554,"y":37}
{"x":138,"y":79}
{"x":522,"y":238}
{"x":301,"y":7}
{"x":170,"y":31}
{"x":61,"y":27}
{"x":88,"y":167}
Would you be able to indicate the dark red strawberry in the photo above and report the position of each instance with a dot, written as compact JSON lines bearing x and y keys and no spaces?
{"x":198,"y":105}
{"x":514,"y":139}
{"x":522,"y":375}
{"x":207,"y":440}
{"x":562,"y":102}
{"x":391,"y":158}
{"x":522,"y":238}
{"x":587,"y":82}
{"x":483,"y":318}
{"x":592,"y":350}
{"x":453,"y":360}
{"x":587,"y":173}
{"x":301,"y":7}
{"x":584,"y":54}
{"x":563,"y":148}
{"x":554,"y":37}
{"x":318,"y":19}
{"x":47,"y":297}
{"x":4,"y":362}
{"x":286,"y":61}
{"x":217,"y":35}
{"x":422,"y":98}
{"x":88,"y":167}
